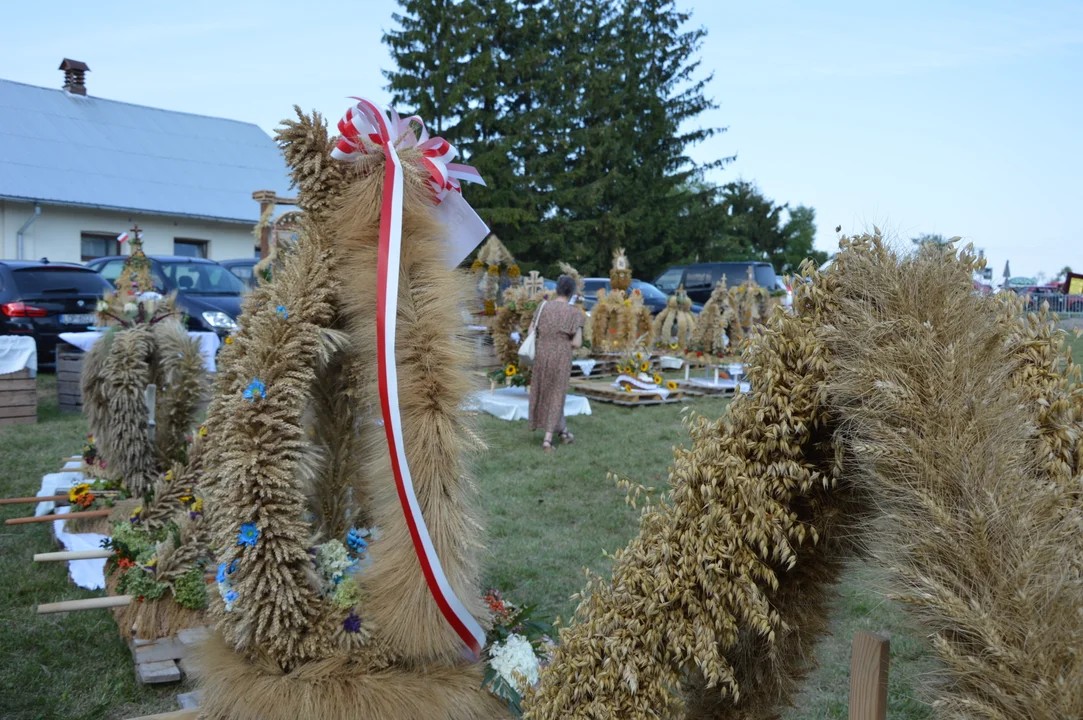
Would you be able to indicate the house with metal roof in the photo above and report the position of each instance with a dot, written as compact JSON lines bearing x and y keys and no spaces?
{"x":77,"y":171}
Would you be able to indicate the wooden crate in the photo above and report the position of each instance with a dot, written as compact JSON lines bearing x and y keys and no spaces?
{"x":69,"y":372}
{"x":604,"y":391}
{"x":18,"y":398}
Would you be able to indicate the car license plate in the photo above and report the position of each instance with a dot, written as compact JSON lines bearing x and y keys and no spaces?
{"x":77,"y":319}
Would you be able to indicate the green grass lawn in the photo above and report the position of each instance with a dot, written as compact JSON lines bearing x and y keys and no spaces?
{"x":548,"y":517}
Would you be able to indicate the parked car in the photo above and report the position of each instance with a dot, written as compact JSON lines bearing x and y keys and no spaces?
{"x":699,"y":279}
{"x":42,"y":299}
{"x":653,"y":298}
{"x":209,"y":294}
{"x":243,"y":269}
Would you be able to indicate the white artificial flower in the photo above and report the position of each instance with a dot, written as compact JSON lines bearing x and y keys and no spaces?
{"x":102,"y":306}
{"x":515,"y":661}
{"x":332,"y":561}
{"x":130,"y":308}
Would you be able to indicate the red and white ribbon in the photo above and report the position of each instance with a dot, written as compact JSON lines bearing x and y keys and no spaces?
{"x":365,"y":121}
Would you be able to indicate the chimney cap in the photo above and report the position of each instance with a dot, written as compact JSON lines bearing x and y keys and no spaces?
{"x":67,"y":64}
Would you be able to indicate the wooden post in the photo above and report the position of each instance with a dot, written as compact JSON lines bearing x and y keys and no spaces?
{"x":266,"y":199}
{"x":150,"y":396}
{"x":64,"y":516}
{"x":109,"y":601}
{"x":73,"y":555}
{"x":868,"y":677}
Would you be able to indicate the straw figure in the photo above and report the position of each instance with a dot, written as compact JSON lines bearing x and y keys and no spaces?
{"x":291,"y":504}
{"x":713,"y":609}
{"x":611,"y":323}
{"x":672,"y":329}
{"x":116,"y":372}
{"x":508,"y":321}
{"x":749,"y":304}
{"x":620,"y":276}
{"x":493,"y":261}
{"x":711,"y":335}
{"x":971,"y":444}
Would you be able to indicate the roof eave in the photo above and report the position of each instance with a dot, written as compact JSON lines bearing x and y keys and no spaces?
{"x":116,"y":208}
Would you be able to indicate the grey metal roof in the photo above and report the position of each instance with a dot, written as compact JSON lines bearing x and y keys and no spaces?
{"x":60,"y":148}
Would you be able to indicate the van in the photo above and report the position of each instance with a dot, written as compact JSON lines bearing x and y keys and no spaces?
{"x":699,"y":279}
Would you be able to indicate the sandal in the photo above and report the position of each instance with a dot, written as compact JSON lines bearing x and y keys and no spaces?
{"x":547,"y":446}
{"x":567,"y":438}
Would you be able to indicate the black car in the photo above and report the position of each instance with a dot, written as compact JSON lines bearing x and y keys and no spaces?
{"x":699,"y":279}
{"x":653,"y":298}
{"x":209,"y":294}
{"x":242,"y":268}
{"x":41,"y":299}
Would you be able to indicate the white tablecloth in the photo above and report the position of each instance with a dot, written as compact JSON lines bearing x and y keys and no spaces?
{"x":514,"y":403}
{"x":89,"y":574}
{"x":668,"y":362}
{"x":16,"y":353}
{"x":721,"y":384}
{"x":208,"y":344}
{"x":585,"y":365}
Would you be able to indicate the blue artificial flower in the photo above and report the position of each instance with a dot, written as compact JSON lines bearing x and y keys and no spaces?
{"x":281,"y":310}
{"x":248,"y":534}
{"x":233,"y":565}
{"x":230,"y":597}
{"x":256,"y":390}
{"x":221,"y":576}
{"x":352,"y":623}
{"x":356,"y":541}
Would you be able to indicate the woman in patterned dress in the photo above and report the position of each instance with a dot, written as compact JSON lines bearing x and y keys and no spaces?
{"x":559,"y":331}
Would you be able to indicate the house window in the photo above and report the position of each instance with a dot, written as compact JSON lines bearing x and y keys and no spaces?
{"x":96,"y":245}
{"x":259,"y":253}
{"x":190,"y":248}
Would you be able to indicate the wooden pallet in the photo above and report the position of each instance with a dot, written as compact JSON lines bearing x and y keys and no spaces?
{"x":69,"y":373}
{"x":603,"y":391}
{"x":18,"y":398}
{"x":165,"y":660}
{"x":692,"y":389}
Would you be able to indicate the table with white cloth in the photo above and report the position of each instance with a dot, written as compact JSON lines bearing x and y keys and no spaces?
{"x":89,"y":574}
{"x":208,"y":343}
{"x":514,"y":403}
{"x":18,"y":352}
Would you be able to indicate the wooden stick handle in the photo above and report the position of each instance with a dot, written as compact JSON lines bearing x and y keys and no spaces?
{"x":175,"y":715}
{"x":868,"y":677}
{"x":44,"y":498}
{"x":66,"y":516}
{"x":72,"y":555}
{"x":108,"y":601}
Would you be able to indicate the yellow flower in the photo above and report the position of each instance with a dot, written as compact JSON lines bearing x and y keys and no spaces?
{"x":514,"y":271}
{"x":644,"y":367}
{"x":671,"y":385}
{"x":229,"y":339}
{"x":77,"y":492}
{"x":202,"y":431}
{"x":168,"y":475}
{"x":197,"y":506}
{"x":478,"y":264}
{"x":136,"y":514}
{"x":674,"y":346}
{"x":494,"y":270}
{"x":186,"y":498}
{"x":628,"y":303}
{"x":657,"y":379}
{"x":627,"y":388}
{"x":638,"y":356}
{"x":510,"y":371}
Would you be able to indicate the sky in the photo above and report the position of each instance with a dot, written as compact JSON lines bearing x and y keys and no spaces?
{"x":950,"y":117}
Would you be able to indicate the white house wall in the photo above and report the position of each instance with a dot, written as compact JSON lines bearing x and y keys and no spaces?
{"x":56,"y":234}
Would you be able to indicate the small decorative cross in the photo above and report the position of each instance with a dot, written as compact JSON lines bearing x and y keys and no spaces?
{"x":534,"y":284}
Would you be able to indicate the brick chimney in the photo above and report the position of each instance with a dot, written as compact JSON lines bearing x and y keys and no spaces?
{"x":74,"y":76}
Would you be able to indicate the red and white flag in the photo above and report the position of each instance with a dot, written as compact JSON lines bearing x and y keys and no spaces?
{"x":123,"y":237}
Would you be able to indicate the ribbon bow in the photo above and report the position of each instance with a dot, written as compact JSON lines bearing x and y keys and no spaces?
{"x":391,"y":133}
{"x":366,"y":121}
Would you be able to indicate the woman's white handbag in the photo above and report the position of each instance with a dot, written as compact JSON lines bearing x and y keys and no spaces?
{"x":526,"y":350}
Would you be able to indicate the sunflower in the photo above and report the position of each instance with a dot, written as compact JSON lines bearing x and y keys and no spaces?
{"x":644,"y":366}
{"x":494,"y":270}
{"x":638,"y":356}
{"x":674,"y":346}
{"x":657,"y":379}
{"x":78,"y":492}
{"x":229,"y":339}
{"x":627,"y":388}
{"x":510,"y":371}
{"x":671,"y":385}
{"x":478,"y":264}
{"x":514,"y":271}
